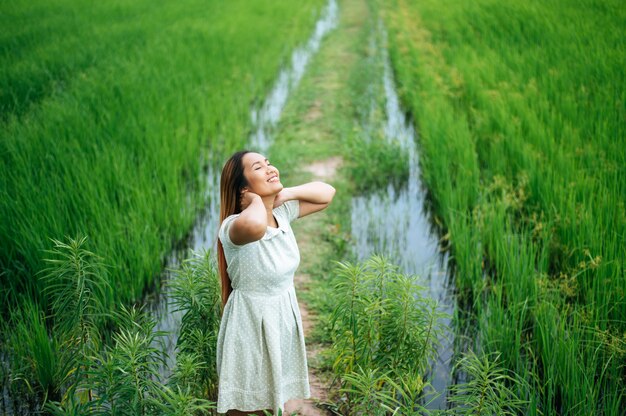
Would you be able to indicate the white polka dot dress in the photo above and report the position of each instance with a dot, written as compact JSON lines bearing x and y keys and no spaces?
{"x":261,"y":355}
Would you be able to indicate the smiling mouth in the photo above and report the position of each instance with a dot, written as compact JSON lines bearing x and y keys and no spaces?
{"x":273,"y":179}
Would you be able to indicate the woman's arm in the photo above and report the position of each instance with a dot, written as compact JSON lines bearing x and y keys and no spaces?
{"x":313,"y":196}
{"x":252,"y":222}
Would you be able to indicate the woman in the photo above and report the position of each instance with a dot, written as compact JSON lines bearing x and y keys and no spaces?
{"x":261,"y":356}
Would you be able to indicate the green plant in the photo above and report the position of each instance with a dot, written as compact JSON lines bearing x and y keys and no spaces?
{"x":124,"y":378}
{"x":178,"y":402}
{"x":377,"y":163}
{"x":75,"y":284}
{"x":487,"y":391}
{"x":120,"y":378}
{"x":131,"y":375}
{"x":34,"y":352}
{"x":195,"y":290}
{"x":367,"y":391}
{"x":384,"y":335}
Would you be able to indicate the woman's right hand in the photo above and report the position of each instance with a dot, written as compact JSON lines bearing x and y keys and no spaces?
{"x":251,"y":224}
{"x":246,"y":198}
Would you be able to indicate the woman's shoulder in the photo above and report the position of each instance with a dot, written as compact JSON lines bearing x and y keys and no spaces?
{"x":226,"y":223}
{"x":224,"y":230}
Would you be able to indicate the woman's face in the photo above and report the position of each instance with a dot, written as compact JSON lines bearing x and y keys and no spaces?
{"x":262,"y":177}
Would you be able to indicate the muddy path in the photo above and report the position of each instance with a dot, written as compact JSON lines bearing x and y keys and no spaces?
{"x":308,"y":236}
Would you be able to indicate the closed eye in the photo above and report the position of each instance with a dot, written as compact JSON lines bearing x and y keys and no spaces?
{"x":259,"y":164}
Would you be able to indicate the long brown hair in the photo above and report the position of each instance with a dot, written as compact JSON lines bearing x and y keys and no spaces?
{"x":231,"y":184}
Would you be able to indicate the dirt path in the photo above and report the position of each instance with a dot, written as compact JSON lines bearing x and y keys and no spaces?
{"x":324,"y":171}
{"x":309,"y":144}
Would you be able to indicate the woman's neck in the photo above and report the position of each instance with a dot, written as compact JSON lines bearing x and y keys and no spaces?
{"x":268,"y":201}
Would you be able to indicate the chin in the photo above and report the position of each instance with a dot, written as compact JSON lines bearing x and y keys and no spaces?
{"x":273,"y":191}
{"x":279,"y":187}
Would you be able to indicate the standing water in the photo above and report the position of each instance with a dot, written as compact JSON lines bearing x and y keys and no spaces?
{"x":395,"y":223}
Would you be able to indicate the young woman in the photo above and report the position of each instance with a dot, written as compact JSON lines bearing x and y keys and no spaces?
{"x":261,"y":355}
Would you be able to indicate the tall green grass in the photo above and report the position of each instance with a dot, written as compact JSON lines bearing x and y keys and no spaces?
{"x":109,"y":114}
{"x":34,"y":366}
{"x":520,"y":108}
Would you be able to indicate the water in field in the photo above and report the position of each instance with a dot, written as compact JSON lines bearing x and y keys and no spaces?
{"x":395,"y":222}
{"x":265,"y":117}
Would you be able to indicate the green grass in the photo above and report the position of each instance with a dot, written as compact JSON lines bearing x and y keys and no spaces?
{"x":520,"y":108}
{"x":35,"y":354}
{"x":109,"y":112}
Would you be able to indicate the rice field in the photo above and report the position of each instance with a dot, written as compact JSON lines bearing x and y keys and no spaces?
{"x":521,"y":112}
{"x":111,"y":114}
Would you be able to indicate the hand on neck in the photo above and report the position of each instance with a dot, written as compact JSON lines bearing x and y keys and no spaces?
{"x":268,"y":201}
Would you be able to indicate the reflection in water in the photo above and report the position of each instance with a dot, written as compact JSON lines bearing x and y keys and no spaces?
{"x":395,"y":223}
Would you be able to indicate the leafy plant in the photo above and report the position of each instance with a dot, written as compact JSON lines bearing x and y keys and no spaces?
{"x":384,"y":335}
{"x":75,"y":283}
{"x":178,"y":402}
{"x":122,"y":377}
{"x":125,"y":378}
{"x":195,"y":290}
{"x":487,"y":390}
